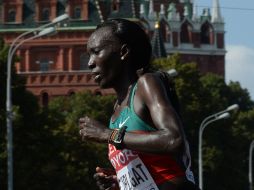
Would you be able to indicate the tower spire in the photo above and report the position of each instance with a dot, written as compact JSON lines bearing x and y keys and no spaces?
{"x":142,"y":11}
{"x":151,"y":14}
{"x":195,"y":12}
{"x":216,"y":15}
{"x":162,"y":11}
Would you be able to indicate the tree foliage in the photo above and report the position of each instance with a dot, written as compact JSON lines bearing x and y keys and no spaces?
{"x":25,"y":107}
{"x":225,"y":142}
{"x":75,"y":159}
{"x":49,"y":154}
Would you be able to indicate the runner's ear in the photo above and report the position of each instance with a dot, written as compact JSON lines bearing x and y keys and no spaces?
{"x":125,"y":51}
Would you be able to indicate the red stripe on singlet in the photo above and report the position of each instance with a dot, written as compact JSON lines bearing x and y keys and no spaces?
{"x":162,"y":167}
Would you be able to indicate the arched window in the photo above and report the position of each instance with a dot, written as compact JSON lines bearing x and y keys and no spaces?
{"x":165,"y":31}
{"x":77,"y":12}
{"x":98,"y":93}
{"x":206,"y":36}
{"x":45,"y":14}
{"x":71,"y":93}
{"x":11,"y":15}
{"x":186,"y":33}
{"x":45,"y":99}
{"x":84,"y":58}
{"x":168,"y":34}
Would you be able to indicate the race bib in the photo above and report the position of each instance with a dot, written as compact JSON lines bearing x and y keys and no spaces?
{"x":132,"y":174}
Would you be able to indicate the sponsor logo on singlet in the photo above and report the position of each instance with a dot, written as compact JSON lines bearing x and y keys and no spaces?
{"x":132,"y":174}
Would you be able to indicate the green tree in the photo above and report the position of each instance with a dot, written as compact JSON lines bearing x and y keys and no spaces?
{"x":48,"y":153}
{"x":225,"y":142}
{"x":48,"y":150}
{"x":70,"y":163}
{"x":25,"y":107}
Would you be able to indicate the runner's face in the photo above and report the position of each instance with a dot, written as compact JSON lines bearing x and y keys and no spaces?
{"x":105,"y":57}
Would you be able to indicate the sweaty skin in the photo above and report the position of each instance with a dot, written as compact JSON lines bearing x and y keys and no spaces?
{"x":110,"y":63}
{"x":150,"y":101}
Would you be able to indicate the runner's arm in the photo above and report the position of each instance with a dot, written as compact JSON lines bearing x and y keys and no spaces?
{"x":151,"y":95}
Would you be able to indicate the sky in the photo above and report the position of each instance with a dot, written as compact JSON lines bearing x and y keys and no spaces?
{"x":239,"y":39}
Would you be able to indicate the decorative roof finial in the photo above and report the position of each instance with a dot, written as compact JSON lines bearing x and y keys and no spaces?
{"x":142,"y":10}
{"x":216,"y":15}
{"x":172,"y":14}
{"x":162,"y":9}
{"x":151,"y":14}
{"x":195,"y":12}
{"x":186,"y":11}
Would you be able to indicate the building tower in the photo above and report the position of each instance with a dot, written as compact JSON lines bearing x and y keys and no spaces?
{"x":57,"y":65}
{"x":196,"y":38}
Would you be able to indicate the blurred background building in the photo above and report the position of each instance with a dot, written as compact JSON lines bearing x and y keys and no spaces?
{"x":57,"y":65}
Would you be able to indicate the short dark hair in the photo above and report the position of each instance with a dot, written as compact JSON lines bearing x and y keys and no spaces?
{"x":135,"y":37}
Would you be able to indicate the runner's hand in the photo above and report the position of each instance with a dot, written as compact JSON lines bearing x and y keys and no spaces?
{"x":89,"y":122}
{"x":106,"y":179}
{"x":90,"y":129}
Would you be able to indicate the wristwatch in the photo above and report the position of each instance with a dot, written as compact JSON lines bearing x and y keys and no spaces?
{"x":116,"y":137}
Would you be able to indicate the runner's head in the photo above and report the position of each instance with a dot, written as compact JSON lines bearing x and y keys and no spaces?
{"x":136,"y":40}
{"x":117,"y":48}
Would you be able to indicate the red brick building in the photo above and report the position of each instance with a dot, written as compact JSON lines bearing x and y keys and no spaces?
{"x":57,"y":65}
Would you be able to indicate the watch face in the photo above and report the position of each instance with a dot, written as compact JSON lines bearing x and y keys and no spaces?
{"x":118,"y":138}
{"x":118,"y":141}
